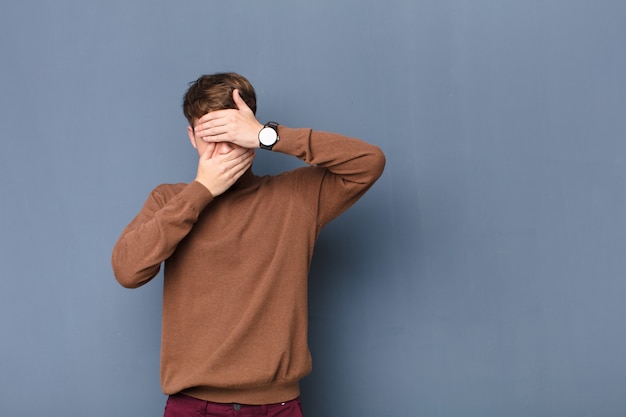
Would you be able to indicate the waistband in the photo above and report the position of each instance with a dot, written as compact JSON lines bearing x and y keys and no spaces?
{"x":267,"y":394}
{"x":209,"y":406}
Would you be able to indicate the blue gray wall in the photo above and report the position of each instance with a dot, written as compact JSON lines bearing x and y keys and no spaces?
{"x":483,"y":275}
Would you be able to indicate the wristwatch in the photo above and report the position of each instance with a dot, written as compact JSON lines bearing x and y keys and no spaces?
{"x":268,"y":136}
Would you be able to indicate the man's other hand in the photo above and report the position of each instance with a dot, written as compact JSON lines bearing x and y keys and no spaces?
{"x":221,"y":165}
{"x":238,"y":126}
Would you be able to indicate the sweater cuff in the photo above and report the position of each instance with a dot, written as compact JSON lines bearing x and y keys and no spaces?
{"x":196,"y":195}
{"x":292,"y":140}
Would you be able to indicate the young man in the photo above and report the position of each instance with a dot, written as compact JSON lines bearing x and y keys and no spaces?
{"x":237,"y":249}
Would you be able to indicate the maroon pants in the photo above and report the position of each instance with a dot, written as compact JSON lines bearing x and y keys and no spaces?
{"x":181,"y":405}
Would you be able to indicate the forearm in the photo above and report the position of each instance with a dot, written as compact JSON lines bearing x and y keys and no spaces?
{"x":350,"y":166}
{"x":352,"y":159}
{"x":154,"y":234}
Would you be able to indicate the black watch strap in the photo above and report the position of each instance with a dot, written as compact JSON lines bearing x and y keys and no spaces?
{"x":272,"y":125}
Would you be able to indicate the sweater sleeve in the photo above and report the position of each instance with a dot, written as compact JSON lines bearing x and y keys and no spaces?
{"x":153,"y":235}
{"x":351,"y":166}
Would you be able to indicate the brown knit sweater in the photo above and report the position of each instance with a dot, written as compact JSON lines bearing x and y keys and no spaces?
{"x":236,"y":267}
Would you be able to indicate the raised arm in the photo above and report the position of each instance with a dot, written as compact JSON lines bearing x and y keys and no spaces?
{"x":152,"y":236}
{"x":351,"y":165}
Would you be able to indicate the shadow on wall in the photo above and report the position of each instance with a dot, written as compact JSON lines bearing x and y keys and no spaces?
{"x":348,"y":291}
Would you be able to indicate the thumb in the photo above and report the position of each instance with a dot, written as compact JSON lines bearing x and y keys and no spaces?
{"x":239,"y":102}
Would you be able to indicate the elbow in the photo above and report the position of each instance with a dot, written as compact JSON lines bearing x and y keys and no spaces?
{"x":377,"y":162}
{"x":380,"y":162}
{"x":128,"y":277}
{"x":127,"y":281}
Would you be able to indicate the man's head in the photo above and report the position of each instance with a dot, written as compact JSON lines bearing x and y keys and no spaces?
{"x":215,"y":92}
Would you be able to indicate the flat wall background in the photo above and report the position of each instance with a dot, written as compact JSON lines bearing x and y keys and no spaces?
{"x":483,"y":275}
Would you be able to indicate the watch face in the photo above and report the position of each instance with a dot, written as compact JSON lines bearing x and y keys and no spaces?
{"x":267,"y":136}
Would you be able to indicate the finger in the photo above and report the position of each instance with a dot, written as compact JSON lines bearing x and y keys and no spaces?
{"x":213,"y":118}
{"x":207,"y":127}
{"x":242,"y":165}
{"x":239,"y":102}
{"x":208,"y":151}
{"x":213,"y":134}
{"x":246,"y":162}
{"x":235,"y":156}
{"x":248,"y":154}
{"x":217,"y":127}
{"x":209,"y":138}
{"x":216,"y":138}
{"x":213,"y":114}
{"x":234,"y":162}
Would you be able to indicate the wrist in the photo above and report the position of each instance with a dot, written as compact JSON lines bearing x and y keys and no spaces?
{"x":268,"y":136}
{"x":203,"y":183}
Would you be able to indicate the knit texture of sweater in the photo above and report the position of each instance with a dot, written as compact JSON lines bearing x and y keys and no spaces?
{"x":234,"y":325}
